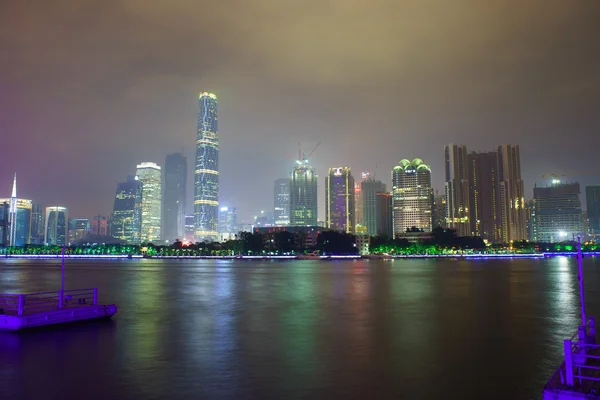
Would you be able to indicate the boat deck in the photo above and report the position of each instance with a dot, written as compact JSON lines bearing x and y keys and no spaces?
{"x":21,"y":311}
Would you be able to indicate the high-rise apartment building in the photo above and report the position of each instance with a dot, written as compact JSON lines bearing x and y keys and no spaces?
{"x":303,"y":194}
{"x":18,"y":220}
{"x":457,"y":189}
{"x":412,"y":196}
{"x":530,"y":207}
{"x":149,"y":174}
{"x":174,"y":194}
{"x":369,"y":189}
{"x":384,"y":215}
{"x":557,"y":212}
{"x":439,"y":211}
{"x":592,"y":195}
{"x":206,"y":173}
{"x":281,"y":202}
{"x":57,"y":225}
{"x":485,"y":205}
{"x":339,"y":200}
{"x":127,"y":211}
{"x":512,"y":194}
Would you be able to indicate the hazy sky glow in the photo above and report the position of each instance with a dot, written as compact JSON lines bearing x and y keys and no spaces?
{"x":90,"y":88}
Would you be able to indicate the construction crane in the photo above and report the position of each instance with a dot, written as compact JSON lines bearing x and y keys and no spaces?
{"x":301,"y":156}
{"x":556,"y":177}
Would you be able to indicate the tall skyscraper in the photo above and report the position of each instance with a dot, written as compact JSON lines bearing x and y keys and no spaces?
{"x":439,"y":210}
{"x":78,"y":228}
{"x":206,"y":173}
{"x":512,"y":194}
{"x":227,"y":223}
{"x":127,"y":211}
{"x":57,"y":225}
{"x":592,"y":194}
{"x":281,"y":202}
{"x":18,"y":219}
{"x":303,"y":194}
{"x":4,"y":210}
{"x":190,"y":228}
{"x":384,"y":215}
{"x":369,"y":189}
{"x":38,"y":216}
{"x":359,"y":205}
{"x":457,"y":189}
{"x":339,"y":200}
{"x":99,"y":226}
{"x":174,"y":197}
{"x":486,"y":210}
{"x":412,"y":196}
{"x":557,"y":212}
{"x":149,"y":174}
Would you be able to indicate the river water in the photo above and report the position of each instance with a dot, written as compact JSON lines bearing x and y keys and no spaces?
{"x":247,"y":329}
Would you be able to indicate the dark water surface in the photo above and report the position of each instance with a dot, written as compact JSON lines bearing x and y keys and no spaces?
{"x":403,"y":329}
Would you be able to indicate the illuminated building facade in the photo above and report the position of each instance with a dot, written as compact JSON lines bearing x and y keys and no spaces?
{"x":303,"y":195}
{"x":439,"y":211}
{"x":99,"y":226}
{"x":78,"y":228}
{"x":227,"y":223}
{"x":457,"y":189}
{"x":369,"y":188}
{"x":174,"y":197}
{"x":592,"y":194}
{"x":149,"y":174}
{"x":512,"y":194}
{"x":485,"y":201}
{"x":38,"y":217}
{"x":281,"y":202}
{"x":412,"y":196}
{"x":206,"y":173}
{"x":18,"y":219}
{"x":557,"y":212}
{"x":57,"y":225}
{"x":127,"y":212}
{"x":190,"y":228}
{"x":339,"y":200}
{"x":384,"y":215}
{"x":4,"y":210}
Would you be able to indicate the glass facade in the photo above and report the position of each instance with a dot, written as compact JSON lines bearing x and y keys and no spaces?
{"x":303,"y":195}
{"x":457,"y":189}
{"x":369,"y":189}
{"x":57,"y":225}
{"x":149,"y":174}
{"x":412,"y":196}
{"x":557,"y":211}
{"x":206,"y":173}
{"x":228,"y":222}
{"x":174,"y":197}
{"x":127,"y":211}
{"x":22,"y":229}
{"x":282,"y":202}
{"x":592,"y":194}
{"x":339,"y":200}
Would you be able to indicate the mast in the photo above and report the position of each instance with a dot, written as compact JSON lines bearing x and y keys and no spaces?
{"x":580,"y":267}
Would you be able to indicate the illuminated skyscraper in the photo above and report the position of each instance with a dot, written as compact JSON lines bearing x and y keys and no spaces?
{"x":512,"y":194}
{"x":369,"y":189}
{"x":303,"y":194}
{"x":592,"y":194}
{"x":127,"y":212}
{"x":206,"y":173}
{"x":339,"y":200}
{"x":227,"y":223}
{"x":18,"y":219}
{"x":412,"y":196}
{"x":149,"y":174}
{"x":38,"y":216}
{"x":57,"y":225}
{"x":174,"y":197}
{"x":99,"y":226}
{"x":384,"y":215}
{"x":486,"y":206}
{"x":281,"y":202}
{"x":457,"y":189}
{"x":557,"y":212}
{"x":78,"y":228}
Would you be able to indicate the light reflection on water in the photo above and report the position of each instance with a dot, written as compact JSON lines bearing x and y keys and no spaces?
{"x":302,"y":329}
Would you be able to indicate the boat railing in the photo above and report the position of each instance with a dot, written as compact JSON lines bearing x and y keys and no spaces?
{"x":22,"y":304}
{"x":580,"y":351}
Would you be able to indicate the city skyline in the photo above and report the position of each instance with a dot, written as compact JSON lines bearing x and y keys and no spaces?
{"x":435,"y":76}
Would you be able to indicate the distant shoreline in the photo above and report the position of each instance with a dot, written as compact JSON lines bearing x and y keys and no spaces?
{"x":332,"y":257}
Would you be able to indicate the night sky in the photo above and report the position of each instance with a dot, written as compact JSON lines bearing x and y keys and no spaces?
{"x":91,"y":88}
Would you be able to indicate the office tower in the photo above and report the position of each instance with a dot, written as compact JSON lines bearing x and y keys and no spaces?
{"x":592,"y":195}
{"x":78,"y":228}
{"x":127,"y":211}
{"x":303,"y":194}
{"x":457,"y":189}
{"x":190,"y":228}
{"x":227,"y":223}
{"x":206,"y":173}
{"x":99,"y":226}
{"x":149,"y":174}
{"x":4,"y":212}
{"x":18,"y":219}
{"x":359,"y":206}
{"x":512,"y":194}
{"x":281,"y":202}
{"x":369,"y":188}
{"x":530,"y":208}
{"x":339,"y":200}
{"x":38,"y":217}
{"x":174,"y":197}
{"x":439,"y":210}
{"x":557,"y":212}
{"x":57,"y":219}
{"x":412,"y":196}
{"x":486,"y":210}
{"x":384,"y":214}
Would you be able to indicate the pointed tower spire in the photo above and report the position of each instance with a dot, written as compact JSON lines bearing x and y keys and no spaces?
{"x":14,"y":191}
